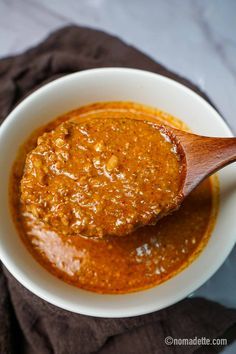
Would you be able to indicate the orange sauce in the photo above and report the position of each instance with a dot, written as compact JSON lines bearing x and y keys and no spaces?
{"x":142,"y":259}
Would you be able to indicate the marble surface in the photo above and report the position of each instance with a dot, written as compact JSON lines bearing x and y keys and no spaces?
{"x":195,"y":38}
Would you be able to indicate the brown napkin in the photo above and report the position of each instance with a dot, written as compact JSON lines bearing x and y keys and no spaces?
{"x":30,"y":325}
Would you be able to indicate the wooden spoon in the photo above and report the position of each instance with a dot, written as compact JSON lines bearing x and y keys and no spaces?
{"x":203,"y":156}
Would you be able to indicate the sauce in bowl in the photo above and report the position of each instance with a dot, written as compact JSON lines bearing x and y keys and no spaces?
{"x":100,"y":170}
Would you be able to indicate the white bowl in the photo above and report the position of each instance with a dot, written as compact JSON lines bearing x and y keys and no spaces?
{"x":114,"y":84}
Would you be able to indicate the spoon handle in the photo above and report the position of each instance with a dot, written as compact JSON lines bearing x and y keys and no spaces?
{"x":204,"y":156}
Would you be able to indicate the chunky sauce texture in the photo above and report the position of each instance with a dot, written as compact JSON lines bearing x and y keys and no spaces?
{"x":101,"y":176}
{"x":99,"y":170}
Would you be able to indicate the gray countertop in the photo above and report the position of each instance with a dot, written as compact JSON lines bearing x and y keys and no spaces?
{"x":195,"y":38}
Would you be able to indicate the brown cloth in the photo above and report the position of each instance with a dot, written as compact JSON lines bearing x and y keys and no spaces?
{"x":30,"y":325}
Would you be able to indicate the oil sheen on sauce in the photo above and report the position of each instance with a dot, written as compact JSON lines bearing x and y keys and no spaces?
{"x":142,"y":259}
{"x":102,"y":177}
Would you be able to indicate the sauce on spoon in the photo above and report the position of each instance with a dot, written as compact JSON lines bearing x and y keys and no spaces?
{"x":102,"y":176}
